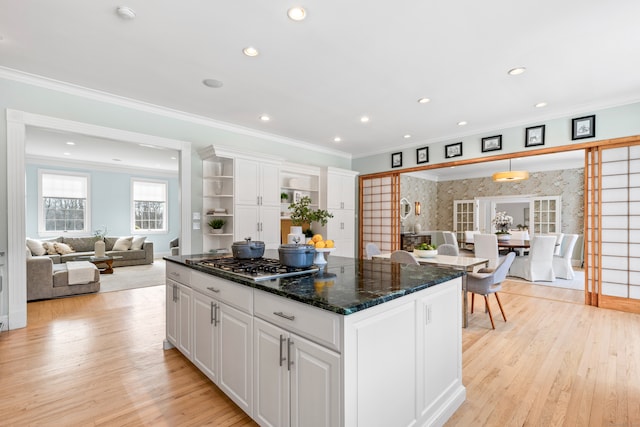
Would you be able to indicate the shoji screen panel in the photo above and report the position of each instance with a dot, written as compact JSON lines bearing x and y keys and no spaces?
{"x":379,"y":205}
{"x":619,"y":228}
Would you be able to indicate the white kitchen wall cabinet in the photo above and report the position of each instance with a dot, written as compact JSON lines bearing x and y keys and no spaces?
{"x":340,"y":198}
{"x":297,"y":181}
{"x":258,"y":202}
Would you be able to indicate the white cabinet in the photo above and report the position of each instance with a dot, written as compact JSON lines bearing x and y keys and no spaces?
{"x":296,"y":363}
{"x":340,"y":195}
{"x":223,"y":336}
{"x":178,"y":317}
{"x":257,"y":210}
{"x":178,"y":308}
{"x":297,"y":382}
{"x":297,"y":181}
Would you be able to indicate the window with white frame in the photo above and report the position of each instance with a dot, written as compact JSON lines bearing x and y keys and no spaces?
{"x":63,"y":202}
{"x":149,"y":206}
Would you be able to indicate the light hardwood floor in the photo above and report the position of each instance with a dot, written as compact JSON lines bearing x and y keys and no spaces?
{"x":98,"y":360}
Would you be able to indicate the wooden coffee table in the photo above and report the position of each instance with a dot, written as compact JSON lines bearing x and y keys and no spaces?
{"x":96,"y":260}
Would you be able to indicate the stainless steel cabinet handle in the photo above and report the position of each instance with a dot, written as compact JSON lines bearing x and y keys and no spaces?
{"x":286,"y":316}
{"x":282,"y":340}
{"x":175,"y":293}
{"x":289,"y":361}
{"x":216,"y":320}
{"x":175,"y":274}
{"x":257,"y":200}
{"x":212,"y":312}
{"x":212,"y":289}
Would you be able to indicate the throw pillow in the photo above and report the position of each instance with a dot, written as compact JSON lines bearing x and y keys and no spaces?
{"x":137,"y":242}
{"x":123,"y":244}
{"x":50,"y":247}
{"x":63,"y":248}
{"x":36,"y":248}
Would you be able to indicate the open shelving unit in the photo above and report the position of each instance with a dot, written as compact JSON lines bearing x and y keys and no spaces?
{"x":218,"y":200}
{"x":298,"y":181}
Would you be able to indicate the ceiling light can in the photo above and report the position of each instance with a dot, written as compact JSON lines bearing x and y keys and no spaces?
{"x":423,"y":100}
{"x":296,"y":13}
{"x":125,"y":12}
{"x":212,"y":83}
{"x":516,"y":71}
{"x":265,"y":118}
{"x":250,"y":51}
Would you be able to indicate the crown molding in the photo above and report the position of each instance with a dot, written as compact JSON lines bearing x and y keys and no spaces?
{"x":96,"y":95}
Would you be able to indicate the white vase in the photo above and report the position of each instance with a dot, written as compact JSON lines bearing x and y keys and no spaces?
{"x":98,"y":248}
{"x":504,"y":237}
{"x":417,"y":228}
{"x":295,"y":235}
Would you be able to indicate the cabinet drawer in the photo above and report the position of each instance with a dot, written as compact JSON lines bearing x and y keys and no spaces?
{"x":320,"y":326}
{"x":234,"y":294}
{"x":178,"y":273}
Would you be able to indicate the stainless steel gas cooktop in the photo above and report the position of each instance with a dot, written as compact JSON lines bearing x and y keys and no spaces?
{"x":256,"y":269}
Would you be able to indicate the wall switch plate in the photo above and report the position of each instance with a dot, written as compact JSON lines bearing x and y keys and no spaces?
{"x":195,"y":216}
{"x":196,"y":225}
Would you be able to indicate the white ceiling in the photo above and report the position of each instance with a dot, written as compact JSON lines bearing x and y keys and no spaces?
{"x":316,"y":78}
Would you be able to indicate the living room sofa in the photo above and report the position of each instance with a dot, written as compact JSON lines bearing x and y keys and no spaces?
{"x":84,"y":246}
{"x":47,"y":280}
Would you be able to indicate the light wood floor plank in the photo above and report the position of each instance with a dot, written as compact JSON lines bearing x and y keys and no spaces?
{"x":98,"y":360}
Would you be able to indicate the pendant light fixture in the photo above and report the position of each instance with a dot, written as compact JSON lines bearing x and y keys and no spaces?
{"x":510,"y":175}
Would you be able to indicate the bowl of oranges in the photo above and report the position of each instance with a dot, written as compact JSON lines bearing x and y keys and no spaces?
{"x":322,"y":247}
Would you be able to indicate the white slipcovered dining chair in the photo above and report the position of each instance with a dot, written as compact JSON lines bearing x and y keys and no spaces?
{"x":562,"y":263}
{"x":486,"y":246}
{"x":538,"y":265}
{"x":450,"y":238}
{"x":371,"y":249}
{"x":559,"y":238}
{"x":520,"y":235}
{"x":403,"y":257}
{"x":490,"y":283}
{"x":448,"y":249}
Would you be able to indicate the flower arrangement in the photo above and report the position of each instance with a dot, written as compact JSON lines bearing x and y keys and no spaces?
{"x":502,"y":221}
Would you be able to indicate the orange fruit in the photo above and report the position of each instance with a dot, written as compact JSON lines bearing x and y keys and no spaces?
{"x":317,"y":238}
{"x":328,"y":244}
{"x":310,"y":242}
{"x":320,"y":244}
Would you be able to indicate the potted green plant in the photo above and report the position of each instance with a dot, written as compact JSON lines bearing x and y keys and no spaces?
{"x":284,"y":197}
{"x":216,"y":225}
{"x":301,"y":213}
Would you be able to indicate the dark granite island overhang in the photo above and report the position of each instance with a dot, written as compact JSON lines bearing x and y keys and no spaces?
{"x":361,"y":333}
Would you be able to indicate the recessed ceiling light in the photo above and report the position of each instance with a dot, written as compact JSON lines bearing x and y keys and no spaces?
{"x":516,"y":71}
{"x":250,"y":51}
{"x":265,"y":118}
{"x":407,"y":136}
{"x":212,"y":83}
{"x":423,"y":100}
{"x":541,"y":104}
{"x":125,"y":12}
{"x":364,"y":119}
{"x":70,"y":143}
{"x":462,"y":123}
{"x":116,"y":160}
{"x":337,"y":139}
{"x":67,"y":154}
{"x":297,"y":13}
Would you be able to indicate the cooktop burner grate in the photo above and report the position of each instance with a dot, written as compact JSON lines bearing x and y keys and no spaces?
{"x":255,"y":268}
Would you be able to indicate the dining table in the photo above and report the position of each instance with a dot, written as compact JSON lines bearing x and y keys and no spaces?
{"x":507,"y":244}
{"x":457,"y":262}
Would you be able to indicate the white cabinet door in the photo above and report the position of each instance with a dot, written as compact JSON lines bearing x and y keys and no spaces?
{"x":315,"y":384}
{"x":172,"y":312}
{"x":271,"y":377}
{"x":341,"y":191}
{"x":183,"y":316}
{"x":270,"y":226}
{"x":247,"y":179}
{"x":205,"y":335}
{"x":247,"y":222}
{"x":235,"y":329}
{"x":341,"y":229}
{"x":270,"y":185}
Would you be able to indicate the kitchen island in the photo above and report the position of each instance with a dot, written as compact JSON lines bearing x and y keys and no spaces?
{"x":356,"y":343}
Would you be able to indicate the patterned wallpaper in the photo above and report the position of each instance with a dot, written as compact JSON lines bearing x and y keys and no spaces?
{"x":437,"y":197}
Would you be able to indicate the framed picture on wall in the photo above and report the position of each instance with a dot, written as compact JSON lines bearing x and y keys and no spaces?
{"x":422,"y":155}
{"x":396,"y":160}
{"x":534,"y":136}
{"x":453,"y":150}
{"x":492,"y":143}
{"x":583,"y":127}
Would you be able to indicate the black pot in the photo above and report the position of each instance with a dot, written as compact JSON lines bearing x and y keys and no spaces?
{"x":296,"y":256}
{"x":247,"y":249}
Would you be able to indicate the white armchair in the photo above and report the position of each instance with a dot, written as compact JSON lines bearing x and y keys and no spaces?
{"x":562,"y":263}
{"x":490,"y":283}
{"x":538,"y":265}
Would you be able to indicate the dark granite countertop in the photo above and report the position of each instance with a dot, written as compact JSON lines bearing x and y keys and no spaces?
{"x":344,"y":285}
